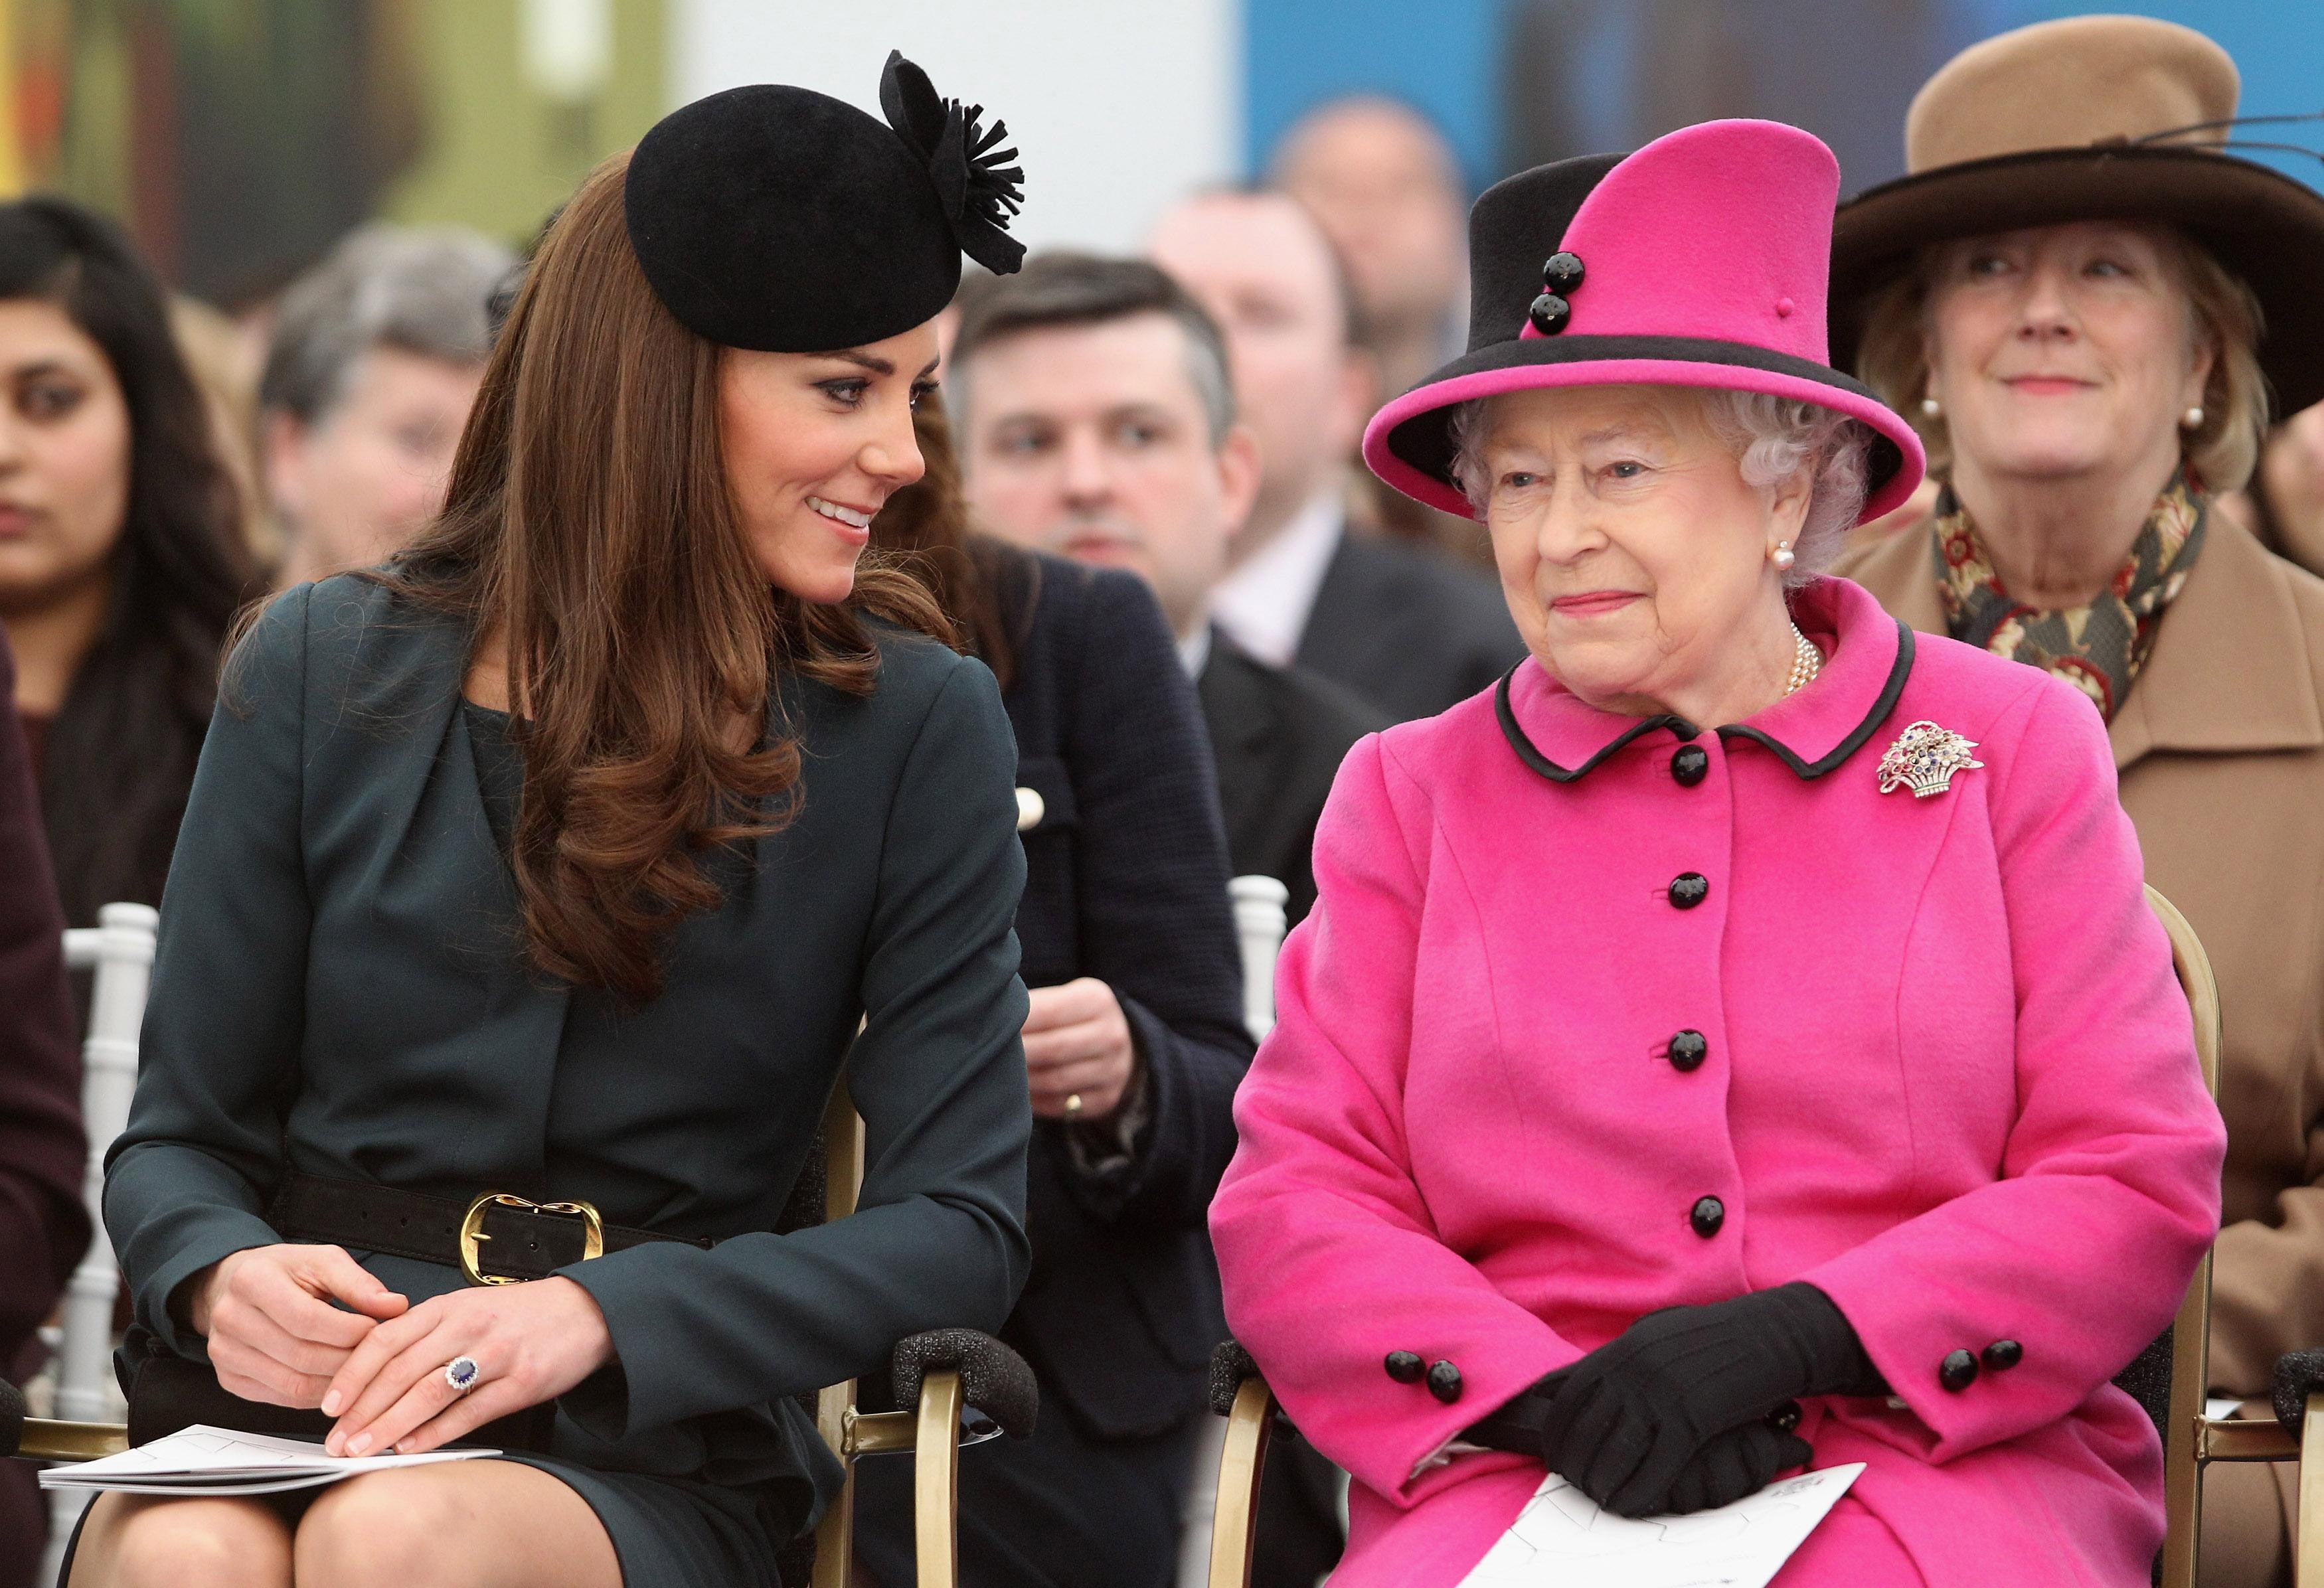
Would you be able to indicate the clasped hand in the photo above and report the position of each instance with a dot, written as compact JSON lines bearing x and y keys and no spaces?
{"x":378,"y":1366}
{"x":1077,"y":1044}
{"x":1673,"y":1415}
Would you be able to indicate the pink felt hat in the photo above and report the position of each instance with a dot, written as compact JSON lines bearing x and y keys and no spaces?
{"x":1699,"y":261}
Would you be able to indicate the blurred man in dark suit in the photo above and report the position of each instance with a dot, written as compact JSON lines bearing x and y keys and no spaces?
{"x":1097,"y":421}
{"x":1410,"y":630}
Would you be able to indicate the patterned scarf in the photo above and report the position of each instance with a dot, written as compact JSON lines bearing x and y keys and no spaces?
{"x":2099,"y":648}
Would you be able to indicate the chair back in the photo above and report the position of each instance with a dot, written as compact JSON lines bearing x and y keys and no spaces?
{"x":1259,"y":919}
{"x":119,"y":950}
{"x":2191,"y":1333}
{"x":829,"y":1560}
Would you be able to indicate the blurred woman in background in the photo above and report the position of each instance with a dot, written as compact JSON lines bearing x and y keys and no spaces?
{"x":120,"y":567}
{"x":372,"y":366}
{"x":2084,"y":314}
{"x":43,"y":1228}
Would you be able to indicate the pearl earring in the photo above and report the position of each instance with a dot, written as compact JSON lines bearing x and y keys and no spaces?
{"x":1931,"y":407}
{"x":1782,"y":556}
{"x":2193,"y":417}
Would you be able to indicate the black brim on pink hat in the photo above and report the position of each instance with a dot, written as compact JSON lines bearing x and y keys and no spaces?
{"x":1700,"y":261}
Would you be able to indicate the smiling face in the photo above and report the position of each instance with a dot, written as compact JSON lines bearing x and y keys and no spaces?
{"x":64,"y":457}
{"x":2062,"y":352}
{"x":814,"y":445}
{"x":1093,"y":442}
{"x":1633,"y":553}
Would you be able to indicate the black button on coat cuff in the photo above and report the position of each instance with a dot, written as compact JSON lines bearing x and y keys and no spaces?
{"x":1958,"y":1371}
{"x":2003,"y":1355}
{"x":1404,"y":1366}
{"x":1445,"y":1381}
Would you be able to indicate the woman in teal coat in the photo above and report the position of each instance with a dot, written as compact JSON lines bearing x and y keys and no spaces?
{"x":560,"y":859}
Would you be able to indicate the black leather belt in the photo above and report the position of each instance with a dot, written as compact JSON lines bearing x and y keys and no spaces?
{"x":495,"y":1239}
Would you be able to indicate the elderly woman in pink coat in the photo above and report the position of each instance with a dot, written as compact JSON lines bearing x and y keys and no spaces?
{"x":1738,"y":1041}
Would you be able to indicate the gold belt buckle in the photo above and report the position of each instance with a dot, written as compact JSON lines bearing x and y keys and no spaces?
{"x":472,"y":1231}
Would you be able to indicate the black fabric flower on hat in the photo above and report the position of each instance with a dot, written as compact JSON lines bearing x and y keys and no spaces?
{"x":774,"y":217}
{"x":978,"y":191}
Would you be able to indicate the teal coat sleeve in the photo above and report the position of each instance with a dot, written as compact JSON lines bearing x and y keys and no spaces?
{"x":227,"y":999}
{"x":938,"y":1075}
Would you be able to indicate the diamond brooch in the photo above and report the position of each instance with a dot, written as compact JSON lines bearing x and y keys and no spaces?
{"x":1924,"y":758}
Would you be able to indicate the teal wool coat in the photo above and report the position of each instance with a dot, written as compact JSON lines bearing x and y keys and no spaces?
{"x":340,"y":990}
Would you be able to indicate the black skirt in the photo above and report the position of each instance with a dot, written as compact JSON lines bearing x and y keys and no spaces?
{"x":667,"y":1532}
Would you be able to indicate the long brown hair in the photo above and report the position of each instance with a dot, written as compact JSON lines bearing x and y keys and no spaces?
{"x":925,"y":526}
{"x":589,"y":526}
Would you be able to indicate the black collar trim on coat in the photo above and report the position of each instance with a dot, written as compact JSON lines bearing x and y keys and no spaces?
{"x":1890,"y":693}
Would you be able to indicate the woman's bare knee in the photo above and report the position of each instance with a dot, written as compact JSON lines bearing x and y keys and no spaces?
{"x":481,"y":1524}
{"x":182,"y":1543}
{"x":389,"y":1527}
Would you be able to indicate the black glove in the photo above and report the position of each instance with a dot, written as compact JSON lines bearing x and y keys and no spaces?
{"x":1737,"y":1462}
{"x":1625,"y":1420}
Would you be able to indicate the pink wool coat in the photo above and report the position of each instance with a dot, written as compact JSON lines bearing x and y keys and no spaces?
{"x":1949,"y":1079}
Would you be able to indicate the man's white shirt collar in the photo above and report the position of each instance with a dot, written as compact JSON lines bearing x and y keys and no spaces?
{"x":1264,"y":605}
{"x":1194,"y":650}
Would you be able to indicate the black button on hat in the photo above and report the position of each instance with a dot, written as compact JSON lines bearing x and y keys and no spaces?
{"x":1563,"y":273}
{"x":1689,"y":888}
{"x":2003,"y":1355}
{"x":1707,"y":1215}
{"x":1687,"y":1051}
{"x":779,"y":219}
{"x":1445,"y":1381}
{"x":1404,"y":1366}
{"x":1549,"y":314}
{"x":1957,"y":1372}
{"x":1690,"y":765}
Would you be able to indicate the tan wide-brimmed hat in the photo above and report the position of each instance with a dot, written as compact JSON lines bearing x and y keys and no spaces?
{"x":2093,"y":118}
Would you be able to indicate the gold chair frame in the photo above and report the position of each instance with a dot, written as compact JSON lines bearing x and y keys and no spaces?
{"x":931,"y":1432}
{"x":2195,"y":1441}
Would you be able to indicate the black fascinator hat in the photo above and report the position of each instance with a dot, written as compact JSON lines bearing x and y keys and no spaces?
{"x":783,"y":220}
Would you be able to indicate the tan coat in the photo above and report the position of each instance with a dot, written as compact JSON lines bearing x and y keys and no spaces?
{"x":2221,"y":748}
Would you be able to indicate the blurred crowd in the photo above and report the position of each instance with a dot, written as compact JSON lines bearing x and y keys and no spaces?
{"x":1191,"y":415}
{"x":159,"y":474}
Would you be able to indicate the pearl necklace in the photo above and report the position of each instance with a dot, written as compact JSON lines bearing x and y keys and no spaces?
{"x":1806,"y":662}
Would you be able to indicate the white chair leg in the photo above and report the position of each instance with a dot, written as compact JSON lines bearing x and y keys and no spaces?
{"x":120,"y":951}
